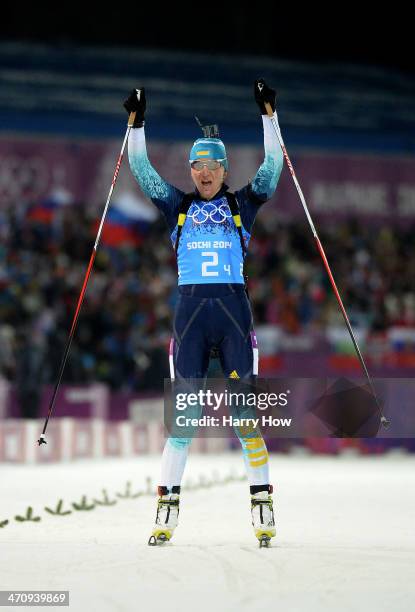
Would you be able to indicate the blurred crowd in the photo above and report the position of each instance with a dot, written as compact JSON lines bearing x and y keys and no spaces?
{"x":125,"y":322}
{"x":374,"y":269}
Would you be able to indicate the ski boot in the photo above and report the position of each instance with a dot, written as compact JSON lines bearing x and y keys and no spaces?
{"x":262,"y":514}
{"x":167,"y":516}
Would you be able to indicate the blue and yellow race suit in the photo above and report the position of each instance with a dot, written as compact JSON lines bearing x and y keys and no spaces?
{"x":213,"y":310}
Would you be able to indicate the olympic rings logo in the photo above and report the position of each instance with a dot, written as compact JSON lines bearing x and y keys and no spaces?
{"x":217,"y":214}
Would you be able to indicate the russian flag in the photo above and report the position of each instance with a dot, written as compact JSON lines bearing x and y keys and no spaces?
{"x":127,"y":221}
{"x":44,"y":212}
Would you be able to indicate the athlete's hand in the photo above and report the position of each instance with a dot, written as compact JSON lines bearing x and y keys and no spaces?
{"x":136,"y":102}
{"x":263,"y":94}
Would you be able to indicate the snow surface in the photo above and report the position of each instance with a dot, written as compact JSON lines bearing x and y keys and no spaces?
{"x":345,"y":536}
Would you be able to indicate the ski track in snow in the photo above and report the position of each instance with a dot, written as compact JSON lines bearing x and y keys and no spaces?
{"x":345,"y":536}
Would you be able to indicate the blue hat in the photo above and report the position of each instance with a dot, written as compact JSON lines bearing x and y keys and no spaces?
{"x":209,"y":148}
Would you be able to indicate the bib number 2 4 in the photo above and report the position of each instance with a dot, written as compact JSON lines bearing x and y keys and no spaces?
{"x":212,"y":261}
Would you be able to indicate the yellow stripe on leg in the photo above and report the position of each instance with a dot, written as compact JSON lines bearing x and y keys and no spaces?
{"x":257,"y":454}
{"x":253,"y":443}
{"x":258,"y":463}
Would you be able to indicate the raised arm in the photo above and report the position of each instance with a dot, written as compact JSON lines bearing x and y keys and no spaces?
{"x":263,"y":186}
{"x":266,"y":179}
{"x":165,"y":196}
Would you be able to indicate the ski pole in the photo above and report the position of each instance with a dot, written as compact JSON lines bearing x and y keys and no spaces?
{"x":130,"y":123}
{"x":385,"y":422}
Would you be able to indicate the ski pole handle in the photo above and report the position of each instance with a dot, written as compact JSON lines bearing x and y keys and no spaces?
{"x":268,"y":108}
{"x":131,"y":119}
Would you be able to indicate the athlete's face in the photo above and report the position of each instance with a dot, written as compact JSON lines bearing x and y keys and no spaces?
{"x":208,"y":182}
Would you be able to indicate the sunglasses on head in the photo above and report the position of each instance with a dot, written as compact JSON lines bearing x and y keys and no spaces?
{"x":211,"y":164}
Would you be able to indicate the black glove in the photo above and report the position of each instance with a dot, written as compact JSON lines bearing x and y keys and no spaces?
{"x":263,"y":94}
{"x":136,"y":101}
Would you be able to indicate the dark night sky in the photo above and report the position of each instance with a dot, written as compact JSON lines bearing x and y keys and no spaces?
{"x":341,"y":33}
